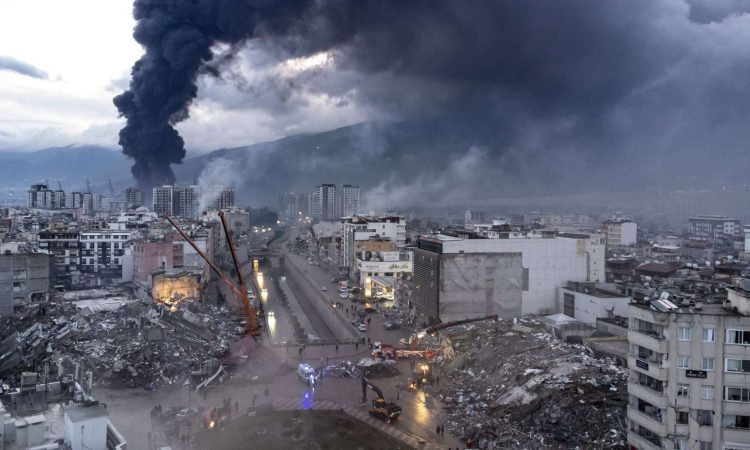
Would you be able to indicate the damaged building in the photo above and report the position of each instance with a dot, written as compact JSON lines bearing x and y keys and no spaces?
{"x":24,"y":280}
{"x":688,"y":366}
{"x":513,"y":275}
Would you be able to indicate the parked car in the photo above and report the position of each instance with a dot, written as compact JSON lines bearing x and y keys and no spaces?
{"x":391,"y":325}
{"x":342,"y":295}
{"x":362,"y":327}
{"x":324,"y":289}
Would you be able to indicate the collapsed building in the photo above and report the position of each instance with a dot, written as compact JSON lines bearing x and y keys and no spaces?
{"x":121,"y":341}
{"x":514,"y":386}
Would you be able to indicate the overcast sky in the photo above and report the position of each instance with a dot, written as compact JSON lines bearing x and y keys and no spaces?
{"x":61,"y":62}
{"x":583,"y":79}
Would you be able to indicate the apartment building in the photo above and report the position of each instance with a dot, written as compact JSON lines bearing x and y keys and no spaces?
{"x":63,"y":245}
{"x":24,"y":279}
{"x":620,"y":233}
{"x":102,"y":253}
{"x":40,"y":196}
{"x":179,"y":201}
{"x":689,"y":363}
{"x":367,"y":228}
{"x":132,"y":198}
{"x":349,"y":199}
{"x":325,"y":203}
{"x":714,"y":228}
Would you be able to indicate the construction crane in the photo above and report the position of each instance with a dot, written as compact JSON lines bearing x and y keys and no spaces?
{"x":381,"y":408}
{"x":240,"y":292}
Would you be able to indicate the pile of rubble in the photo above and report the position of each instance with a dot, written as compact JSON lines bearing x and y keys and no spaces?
{"x":340,"y":369}
{"x":514,"y":386}
{"x":133,"y":345}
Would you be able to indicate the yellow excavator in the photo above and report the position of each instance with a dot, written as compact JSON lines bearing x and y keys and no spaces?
{"x":382,"y":409}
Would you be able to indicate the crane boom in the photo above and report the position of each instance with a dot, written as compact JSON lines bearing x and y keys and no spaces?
{"x":239,"y":293}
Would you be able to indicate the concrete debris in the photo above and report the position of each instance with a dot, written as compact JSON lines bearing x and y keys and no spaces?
{"x":341,"y":369}
{"x":514,"y":386}
{"x":123,"y":342}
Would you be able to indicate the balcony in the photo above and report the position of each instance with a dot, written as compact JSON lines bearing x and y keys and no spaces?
{"x":736,"y":434}
{"x":644,"y":392}
{"x":646,"y":420}
{"x":735,"y":408}
{"x":642,"y":442}
{"x":651,"y":341}
{"x":655,"y":370}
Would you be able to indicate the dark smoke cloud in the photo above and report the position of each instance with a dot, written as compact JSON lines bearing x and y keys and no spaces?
{"x":178,"y":36}
{"x":14,"y":65}
{"x":545,"y":95}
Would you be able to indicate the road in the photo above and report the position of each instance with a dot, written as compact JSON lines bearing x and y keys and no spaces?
{"x":129,"y":409}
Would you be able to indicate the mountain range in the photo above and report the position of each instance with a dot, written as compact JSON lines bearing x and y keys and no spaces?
{"x":401,"y":164}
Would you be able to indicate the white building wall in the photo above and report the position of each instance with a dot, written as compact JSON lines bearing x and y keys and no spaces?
{"x":628,"y":233}
{"x":589,"y":307}
{"x":551,"y":263}
{"x":89,"y":434}
{"x":747,"y":238}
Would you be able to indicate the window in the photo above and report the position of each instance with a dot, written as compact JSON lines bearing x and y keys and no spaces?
{"x":707,"y":392}
{"x":681,"y":444}
{"x":736,"y":422}
{"x":704,"y":417}
{"x":708,"y":364}
{"x":709,"y":335}
{"x":706,"y":445}
{"x":682,"y":417}
{"x":737,"y":365}
{"x":683,"y":390}
{"x":737,"y":394}
{"x":683,"y":334}
{"x":683,"y":362}
{"x":740,"y":337}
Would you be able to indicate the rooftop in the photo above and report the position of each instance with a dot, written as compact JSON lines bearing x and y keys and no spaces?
{"x":81,"y":413}
{"x":706,"y":309}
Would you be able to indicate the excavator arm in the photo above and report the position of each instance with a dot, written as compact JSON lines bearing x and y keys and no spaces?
{"x":240,"y":293}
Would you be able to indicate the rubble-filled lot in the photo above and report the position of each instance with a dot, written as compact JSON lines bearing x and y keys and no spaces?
{"x":514,"y":386}
{"x":133,"y":345}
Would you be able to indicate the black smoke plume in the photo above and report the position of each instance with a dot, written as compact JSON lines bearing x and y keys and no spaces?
{"x":564,"y":94}
{"x":178,"y":36}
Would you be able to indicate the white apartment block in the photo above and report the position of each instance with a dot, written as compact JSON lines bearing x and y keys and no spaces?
{"x":621,"y":233}
{"x":689,"y":385}
{"x":103,"y":250}
{"x":711,"y":228}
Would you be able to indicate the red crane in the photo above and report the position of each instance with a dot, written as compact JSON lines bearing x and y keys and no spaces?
{"x":240,"y":293}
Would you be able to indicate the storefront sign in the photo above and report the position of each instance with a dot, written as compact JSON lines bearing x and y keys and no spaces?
{"x":696,"y":373}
